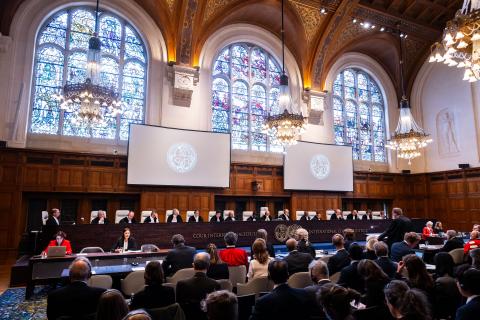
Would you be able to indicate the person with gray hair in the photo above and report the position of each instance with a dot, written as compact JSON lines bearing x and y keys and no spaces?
{"x":319,"y":275}
{"x":297,"y":261}
{"x":175,"y":217}
{"x":76,"y":299}
{"x":191,"y":292}
{"x":180,"y":257}
{"x":453,"y":242}
{"x":101,"y":218}
{"x":221,"y":305}
{"x":231,"y":255}
{"x":397,"y":229}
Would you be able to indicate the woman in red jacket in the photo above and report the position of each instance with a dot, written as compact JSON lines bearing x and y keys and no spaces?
{"x":59,"y":241}
{"x":428,"y":230}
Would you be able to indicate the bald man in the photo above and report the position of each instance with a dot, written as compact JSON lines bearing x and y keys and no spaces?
{"x":297,"y":261}
{"x":76,"y":299}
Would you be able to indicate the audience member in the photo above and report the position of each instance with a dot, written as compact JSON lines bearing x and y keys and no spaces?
{"x":387,"y":265}
{"x":101,"y":218}
{"x":129,"y":219}
{"x":353,"y":215}
{"x":284,"y":302}
{"x":475,"y":256}
{"x":473,"y":243}
{"x":285,"y":215}
{"x":192,"y":291}
{"x":231,"y":255}
{"x":262,"y":234}
{"x":374,"y":280}
{"x":337,"y":215}
{"x":230,"y":216}
{"x":368,"y":215}
{"x":349,"y":276}
{"x":337,"y":300}
{"x":417,"y":275}
{"x":320,"y":276}
{"x":303,"y":245}
{"x":428,"y":230}
{"x":405,"y":303}
{"x":196,"y":217}
{"x":154,"y":295}
{"x":76,"y":299}
{"x":438,"y":228}
{"x":126,"y":242}
{"x":175,"y":217}
{"x":401,"y":249}
{"x":468,"y":283}
{"x":453,"y":242}
{"x":221,"y":305}
{"x":153,"y":218}
{"x":139,"y":314}
{"x":340,"y":259}
{"x":297,"y":261}
{"x":217,"y":269}
{"x":369,"y":252}
{"x":112,"y":306}
{"x":259,"y":264}
{"x":349,"y":237}
{"x":60,"y":241}
{"x":447,"y":298}
{"x":218,"y":217}
{"x":397,"y":229}
{"x":180,"y":257}
{"x":54,"y":218}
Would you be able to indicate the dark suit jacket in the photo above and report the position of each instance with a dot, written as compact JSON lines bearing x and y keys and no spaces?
{"x":399,"y":250}
{"x":218,"y":271}
{"x":170,"y":218}
{"x":156,"y":296}
{"x":352,"y":217}
{"x":315,"y":218}
{"x":306,"y":248}
{"x":469,"y":311}
{"x":396,"y":231}
{"x":191,"y":291}
{"x":334,"y":217}
{"x":149,"y":220}
{"x":304,"y":218}
{"x":180,"y":257}
{"x":374,"y":295}
{"x":454,"y":243}
{"x":214,"y":219}
{"x":350,"y":278}
{"x":76,"y":299}
{"x":95,"y":221}
{"x":265,"y":217}
{"x":192,"y":219}
{"x":51,"y":222}
{"x":283,"y":303}
{"x":298,"y":261}
{"x":283,"y":217}
{"x":388,"y":266}
{"x":338,"y":261}
{"x":367,"y":217}
{"x":229,"y":219}
{"x":125,"y":221}
{"x":132,"y":244}
{"x":316,"y":310}
{"x":447,"y":298}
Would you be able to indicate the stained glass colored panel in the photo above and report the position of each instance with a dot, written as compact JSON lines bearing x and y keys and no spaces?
{"x":110,"y":72}
{"x":107,"y":130}
{"x":362,"y":81}
{"x":134,"y":51}
{"x":273,"y":101}
{"x":239,"y":140}
{"x":49,"y":68}
{"x":220,"y":98}
{"x":55,"y":32}
{"x":72,"y":128}
{"x":110,"y":34}
{"x":45,"y":112}
{"x":259,"y":65}
{"x":83,"y":21}
{"x":77,"y":67}
{"x":220,"y":121}
{"x":258,"y":100}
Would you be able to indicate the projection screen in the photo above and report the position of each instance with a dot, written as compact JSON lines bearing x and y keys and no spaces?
{"x":176,"y":157}
{"x":314,"y":166}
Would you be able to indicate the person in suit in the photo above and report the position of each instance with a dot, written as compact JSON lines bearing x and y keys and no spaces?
{"x":196,"y":217}
{"x":401,"y":249}
{"x":297,"y":261}
{"x":180,"y":257}
{"x":285,"y":216}
{"x":468,"y":283}
{"x":283,"y":302}
{"x":221,"y":305}
{"x":320,"y":277}
{"x":175,"y":217}
{"x":305,"y":216}
{"x":337,"y":215}
{"x":125,"y":243}
{"x":349,"y":276}
{"x":101,"y":218}
{"x":337,"y":301}
{"x":447,"y":297}
{"x":60,"y":240}
{"x":112,"y":305}
{"x":54,"y":218}
{"x":317,"y":217}
{"x":406,"y":303}
{"x":76,"y":299}
{"x":192,"y":291}
{"x":340,"y":259}
{"x":230,"y":217}
{"x":217,"y":269}
{"x":348,"y":237}
{"x":263,"y":234}
{"x":303,"y":245}
{"x":153,"y":218}
{"x":154,"y":295}
{"x":453,"y":242}
{"x":217,"y":217}
{"x":231,"y":255}
{"x":368,"y":215}
{"x":267,"y":216}
{"x":374,"y":281}
{"x":353,"y":215}
{"x":397,"y":229}
{"x":253,"y":217}
{"x":387,"y":265}
{"x":129,"y":219}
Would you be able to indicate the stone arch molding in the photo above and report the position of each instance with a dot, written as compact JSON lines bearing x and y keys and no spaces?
{"x":26,"y":24}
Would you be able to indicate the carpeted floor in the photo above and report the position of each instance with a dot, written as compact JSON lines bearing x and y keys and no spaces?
{"x":13,"y":305}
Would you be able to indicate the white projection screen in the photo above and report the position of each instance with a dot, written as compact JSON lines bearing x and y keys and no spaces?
{"x":314,"y":166}
{"x":176,"y":157}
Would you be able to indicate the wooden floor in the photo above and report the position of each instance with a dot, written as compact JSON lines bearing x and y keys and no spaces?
{"x":7,"y":259}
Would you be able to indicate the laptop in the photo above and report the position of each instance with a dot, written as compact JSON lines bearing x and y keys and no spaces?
{"x":419,"y":254}
{"x":56,"y":251}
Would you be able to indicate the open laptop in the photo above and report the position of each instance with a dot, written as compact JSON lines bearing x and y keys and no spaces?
{"x":419,"y":253}
{"x":56,"y":251}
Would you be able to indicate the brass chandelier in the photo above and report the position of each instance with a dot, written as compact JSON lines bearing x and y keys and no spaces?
{"x":460,"y":46}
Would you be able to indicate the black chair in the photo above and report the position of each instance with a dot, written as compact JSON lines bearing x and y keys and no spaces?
{"x":245,"y":306}
{"x":171,"y":312}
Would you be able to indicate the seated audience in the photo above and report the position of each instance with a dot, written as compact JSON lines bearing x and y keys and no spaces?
{"x":230,"y":216}
{"x":473,"y":243}
{"x":101,"y":218}
{"x":154,"y":295}
{"x":231,"y":255}
{"x":337,"y":215}
{"x":475,"y":256}
{"x":191,"y":292}
{"x":283,"y":302}
{"x":401,"y":249}
{"x":297,"y":261}
{"x":303,"y":245}
{"x":353,"y":215}
{"x":318,"y":216}
{"x":129,"y":219}
{"x":349,"y":237}
{"x":305,"y":216}
{"x":175,"y":217}
{"x":368,"y":215}
{"x":76,"y":299}
{"x":196,"y":217}
{"x":267,"y":216}
{"x":153,"y":218}
{"x":221,"y":305}
{"x":340,"y":259}
{"x":258,"y":267}
{"x":349,"y":276}
{"x":447,"y":298}
{"x":374,"y":280}
{"x":406,"y":303}
{"x":453,"y":242}
{"x":112,"y":306}
{"x":180,"y":257}
{"x":337,"y":301}
{"x":397,"y":228}
{"x":126,"y":242}
{"x":218,"y":217}
{"x":468,"y":283}
{"x":417,"y":275}
{"x":217,"y":269}
{"x":387,"y":265}
{"x":428,"y":230}
{"x":285,"y":215}
{"x":262,"y":234}
{"x":320,"y":276}
{"x":438,"y":228}
{"x":60,"y":241}
{"x":139,"y":314}
{"x":369,"y":252}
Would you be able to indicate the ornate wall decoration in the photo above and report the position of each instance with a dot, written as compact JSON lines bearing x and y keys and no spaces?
{"x":171,"y":4}
{"x":349,"y":32}
{"x":186,"y":42}
{"x":447,"y":133}
{"x":213,"y":6}
{"x":414,"y":48}
{"x":311,"y":18}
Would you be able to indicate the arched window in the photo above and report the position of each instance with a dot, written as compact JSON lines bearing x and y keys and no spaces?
{"x":358,"y":115}
{"x":61,"y":56}
{"x":245,"y":90}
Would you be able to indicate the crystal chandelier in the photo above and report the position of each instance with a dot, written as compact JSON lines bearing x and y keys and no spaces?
{"x":89,"y":101}
{"x":409,"y":138}
{"x":460,"y":46}
{"x":284,"y":128}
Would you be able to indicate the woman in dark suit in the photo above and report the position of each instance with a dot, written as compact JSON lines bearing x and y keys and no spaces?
{"x":125,"y":242}
{"x":217,"y":269}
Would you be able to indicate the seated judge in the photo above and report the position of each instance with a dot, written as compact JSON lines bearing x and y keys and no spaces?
{"x":253,"y":217}
{"x":317,"y":217}
{"x":54,"y":218}
{"x":230,"y":216}
{"x":217,"y":217}
{"x":125,"y":242}
{"x":196,"y":217}
{"x":285,"y":216}
{"x":175,"y":217}
{"x":153,"y":218}
{"x":428,"y":230}
{"x":353,"y":215}
{"x":368,"y":215}
{"x":267,"y":216}
{"x":305,"y":216}
{"x":337,"y":215}
{"x":129,"y":219}
{"x":101,"y":218}
{"x":61,"y":241}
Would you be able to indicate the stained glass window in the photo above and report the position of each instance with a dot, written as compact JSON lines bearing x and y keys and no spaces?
{"x":358,"y":115}
{"x":244,"y":91}
{"x":61,"y":55}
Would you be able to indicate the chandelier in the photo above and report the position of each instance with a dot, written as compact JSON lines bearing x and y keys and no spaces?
{"x":409,"y":138}
{"x":284,"y":128}
{"x":460,"y":46}
{"x":90,"y":101}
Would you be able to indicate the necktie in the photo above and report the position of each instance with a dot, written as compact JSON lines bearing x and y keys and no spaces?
{"x":154,"y":220}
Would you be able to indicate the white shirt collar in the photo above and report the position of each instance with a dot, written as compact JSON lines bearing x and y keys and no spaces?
{"x":472,"y":297}
{"x":56,"y":220}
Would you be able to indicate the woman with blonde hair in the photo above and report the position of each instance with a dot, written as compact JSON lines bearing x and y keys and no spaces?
{"x":301,"y":235}
{"x":259,"y":264}
{"x":369,"y":252}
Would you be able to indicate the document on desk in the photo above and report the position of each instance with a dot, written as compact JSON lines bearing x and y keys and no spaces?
{"x":138,"y":268}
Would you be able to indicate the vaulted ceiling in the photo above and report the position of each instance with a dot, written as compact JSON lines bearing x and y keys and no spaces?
{"x":314,"y":38}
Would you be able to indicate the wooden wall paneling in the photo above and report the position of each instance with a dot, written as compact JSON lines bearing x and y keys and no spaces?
{"x":100,"y":180}
{"x":70,"y":179}
{"x":38,"y":178}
